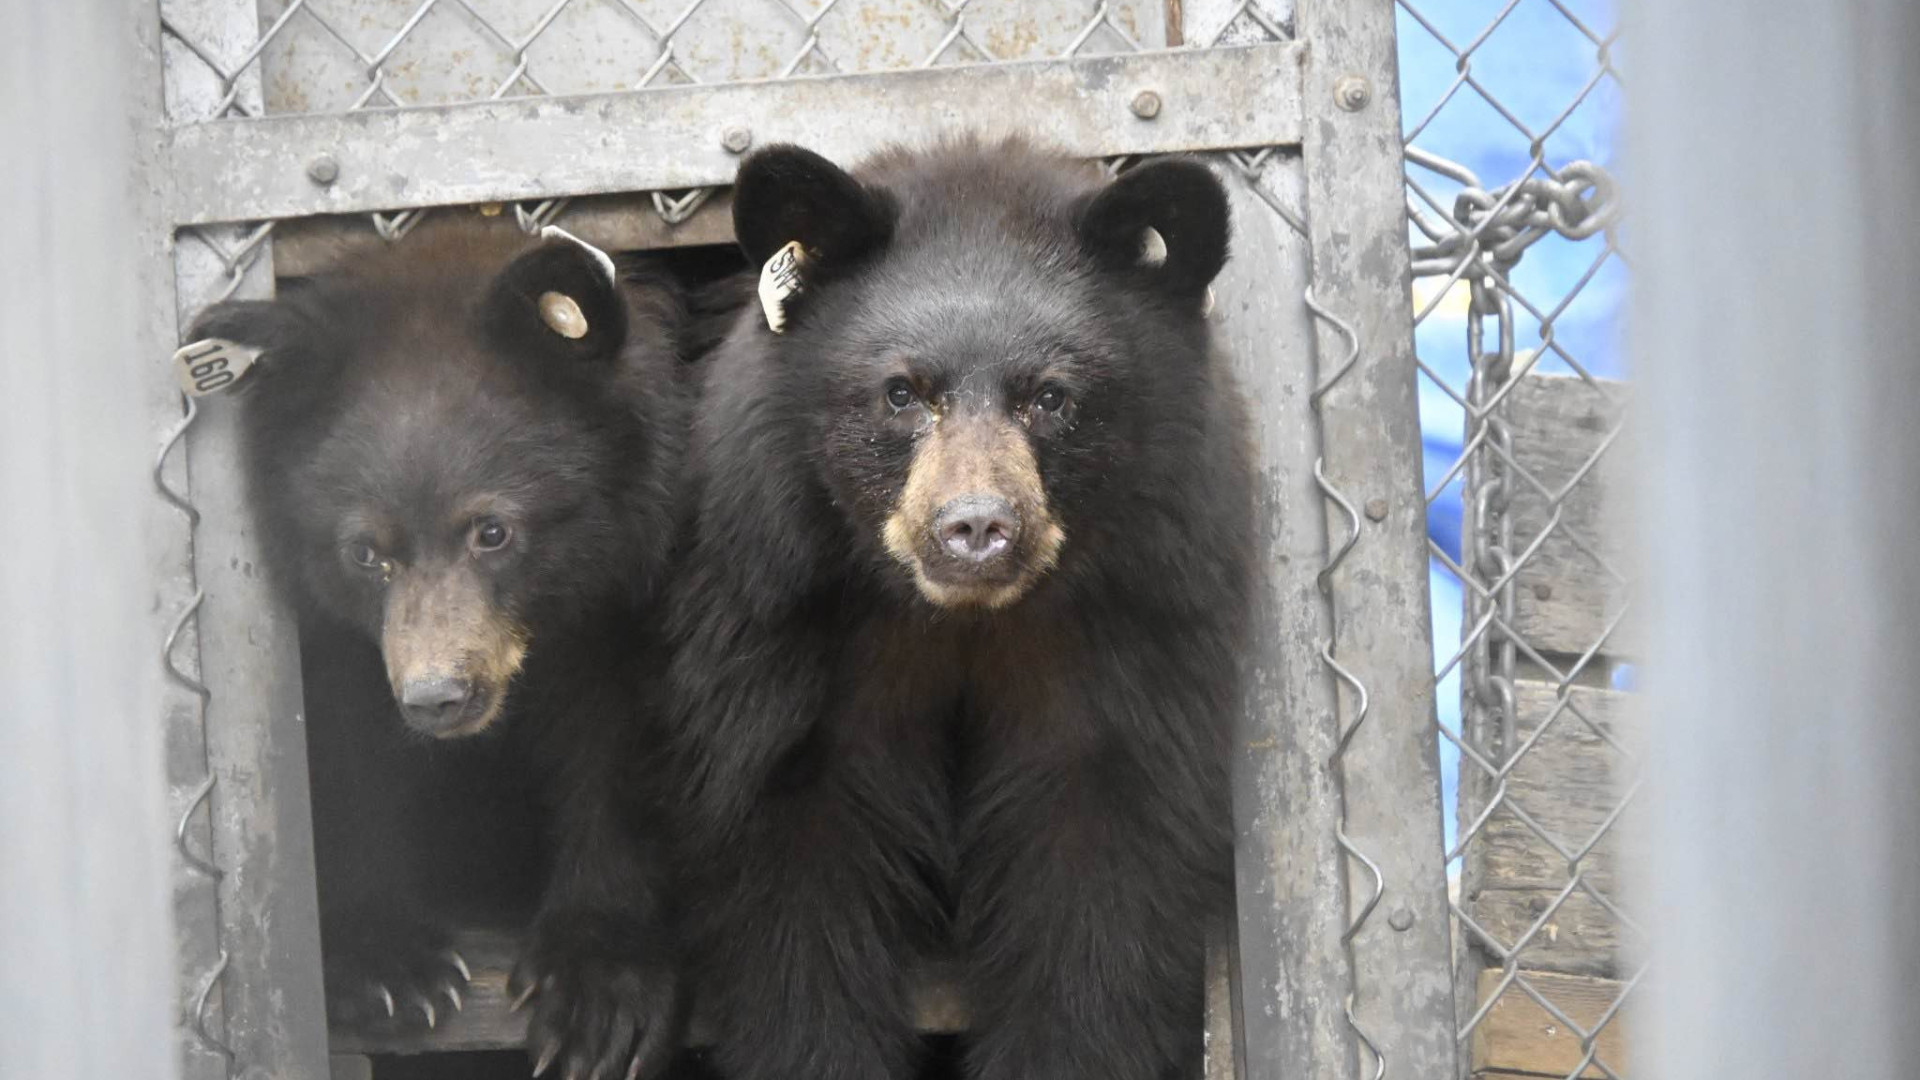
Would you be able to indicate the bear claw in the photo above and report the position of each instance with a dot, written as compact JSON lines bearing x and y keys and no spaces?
{"x":547,"y":1054}
{"x":601,"y":1005}
{"x":393,"y":982}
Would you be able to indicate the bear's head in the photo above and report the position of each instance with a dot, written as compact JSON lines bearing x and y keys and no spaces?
{"x":461,"y":446}
{"x":996,"y":345}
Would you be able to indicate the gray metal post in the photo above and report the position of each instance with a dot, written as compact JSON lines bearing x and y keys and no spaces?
{"x":85,"y":943}
{"x":250,"y":992}
{"x":1376,"y":580}
{"x":1290,"y":974}
{"x":1291,"y":970}
{"x":1775,"y":330}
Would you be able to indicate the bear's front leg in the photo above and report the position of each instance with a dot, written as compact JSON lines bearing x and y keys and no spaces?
{"x":805,"y":917}
{"x":604,"y":990}
{"x":1085,"y":899}
{"x":600,"y":972}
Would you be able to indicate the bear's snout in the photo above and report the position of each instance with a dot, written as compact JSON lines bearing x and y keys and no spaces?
{"x":450,"y":652}
{"x":435,"y":703}
{"x":978,"y":528}
{"x":971,"y":523}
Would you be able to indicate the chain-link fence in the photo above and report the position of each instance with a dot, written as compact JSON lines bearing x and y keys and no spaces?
{"x":283,"y":138}
{"x":1523,"y":425}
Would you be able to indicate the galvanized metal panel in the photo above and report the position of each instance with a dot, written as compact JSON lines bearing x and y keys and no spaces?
{"x":531,"y":148}
{"x":250,"y":978}
{"x":165,"y":525}
{"x":1382,"y":645}
{"x":330,"y":58}
{"x":1289,"y":966}
{"x":257,"y":751}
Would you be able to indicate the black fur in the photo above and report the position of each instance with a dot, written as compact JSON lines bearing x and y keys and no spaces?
{"x":869,"y":781}
{"x":397,"y":388}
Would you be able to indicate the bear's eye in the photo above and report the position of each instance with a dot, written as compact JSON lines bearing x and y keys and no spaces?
{"x":1051,"y":399}
{"x":899,"y":394}
{"x":364,"y":555}
{"x":490,"y":535}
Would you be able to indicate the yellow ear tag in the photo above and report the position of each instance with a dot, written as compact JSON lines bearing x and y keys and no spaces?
{"x":779,"y":280}
{"x":563,"y":315}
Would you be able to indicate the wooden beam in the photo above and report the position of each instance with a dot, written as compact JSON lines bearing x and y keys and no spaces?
{"x":1568,"y":784}
{"x":1519,"y":1037}
{"x":486,"y":1024}
{"x":614,"y":222}
{"x":1571,"y":588}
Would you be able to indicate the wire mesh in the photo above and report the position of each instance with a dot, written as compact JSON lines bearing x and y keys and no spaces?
{"x":1517,"y":278}
{"x":343,"y":55}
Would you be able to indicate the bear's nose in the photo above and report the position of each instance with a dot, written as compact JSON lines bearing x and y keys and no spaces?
{"x":434,"y":702}
{"x":977,"y":528}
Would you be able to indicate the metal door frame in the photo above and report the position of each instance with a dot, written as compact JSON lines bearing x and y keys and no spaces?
{"x":1341,"y":965}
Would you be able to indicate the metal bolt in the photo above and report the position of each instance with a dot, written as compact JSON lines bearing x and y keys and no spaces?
{"x":736,"y":139}
{"x":1543,"y":591}
{"x":1146,"y":104}
{"x":1401,"y":919}
{"x":1353,"y":92}
{"x":1376,"y":509}
{"x":323,"y":170}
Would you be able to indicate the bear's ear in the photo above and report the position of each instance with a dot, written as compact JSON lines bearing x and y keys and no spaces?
{"x":1167,"y":218}
{"x":785,"y":194}
{"x":560,"y":299}
{"x":267,"y":325}
{"x":270,"y":334}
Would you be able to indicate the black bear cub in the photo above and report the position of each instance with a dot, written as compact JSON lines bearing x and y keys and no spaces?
{"x":956,"y":634}
{"x":463,"y":456}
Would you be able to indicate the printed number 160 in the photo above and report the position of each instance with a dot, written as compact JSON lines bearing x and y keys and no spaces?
{"x":208,"y":375}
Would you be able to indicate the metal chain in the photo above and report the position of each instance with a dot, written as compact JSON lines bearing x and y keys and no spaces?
{"x":1480,"y":242}
{"x":1488,"y":231}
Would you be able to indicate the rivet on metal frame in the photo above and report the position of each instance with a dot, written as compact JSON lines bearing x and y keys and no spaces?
{"x":736,"y":139}
{"x":323,"y":170}
{"x":1353,"y":92}
{"x":1146,"y":104}
{"x":1376,"y":509}
{"x":1401,"y":919}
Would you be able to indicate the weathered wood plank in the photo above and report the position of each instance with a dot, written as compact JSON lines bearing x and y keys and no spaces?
{"x":1572,"y":587}
{"x":614,"y":222}
{"x":1217,"y":1063}
{"x":1517,"y":1036}
{"x":1569,"y":783}
{"x":486,"y":1024}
